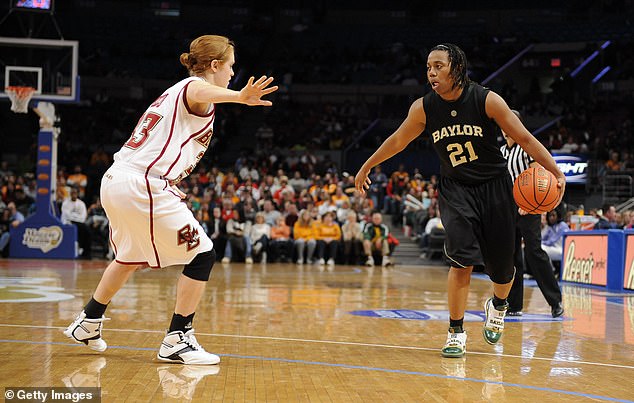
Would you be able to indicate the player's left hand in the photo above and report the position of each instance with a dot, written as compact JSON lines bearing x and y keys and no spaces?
{"x":252,"y":93}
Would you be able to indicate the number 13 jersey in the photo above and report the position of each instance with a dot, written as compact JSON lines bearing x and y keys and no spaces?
{"x":464,"y":137}
{"x":170,"y":138}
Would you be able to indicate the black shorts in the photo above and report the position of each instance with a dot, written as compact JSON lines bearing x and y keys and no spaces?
{"x":479,"y":222}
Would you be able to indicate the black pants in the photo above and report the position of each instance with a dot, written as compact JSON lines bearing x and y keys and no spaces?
{"x":528,"y":228}
{"x":331,"y":247}
{"x":84,"y":238}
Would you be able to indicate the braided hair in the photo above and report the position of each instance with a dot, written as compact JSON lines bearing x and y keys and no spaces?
{"x":457,"y":62}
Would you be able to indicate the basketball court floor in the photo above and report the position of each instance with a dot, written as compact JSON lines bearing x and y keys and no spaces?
{"x":287,"y":333}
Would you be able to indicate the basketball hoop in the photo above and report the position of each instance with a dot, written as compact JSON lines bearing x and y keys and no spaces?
{"x":20,"y":97}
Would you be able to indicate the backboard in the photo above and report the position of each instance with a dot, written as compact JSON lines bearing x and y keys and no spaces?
{"x":48,"y":65}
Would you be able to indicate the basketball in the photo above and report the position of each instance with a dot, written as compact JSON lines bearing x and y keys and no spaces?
{"x":535,"y":190}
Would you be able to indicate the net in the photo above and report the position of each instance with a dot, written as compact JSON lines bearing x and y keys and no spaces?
{"x":20,"y":97}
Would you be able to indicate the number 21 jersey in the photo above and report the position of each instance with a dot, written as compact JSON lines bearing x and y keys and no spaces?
{"x":464,"y":137}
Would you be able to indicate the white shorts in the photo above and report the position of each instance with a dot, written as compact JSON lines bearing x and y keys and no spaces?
{"x":149,"y":223}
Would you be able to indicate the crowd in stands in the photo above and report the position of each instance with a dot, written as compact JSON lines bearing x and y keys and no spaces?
{"x":315,"y":219}
{"x":257,"y":213}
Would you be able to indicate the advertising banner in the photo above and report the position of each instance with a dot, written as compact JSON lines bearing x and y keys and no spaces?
{"x":628,"y":269}
{"x":585,"y":259}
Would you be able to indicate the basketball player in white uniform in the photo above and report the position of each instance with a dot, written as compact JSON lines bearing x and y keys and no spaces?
{"x":150,"y":225}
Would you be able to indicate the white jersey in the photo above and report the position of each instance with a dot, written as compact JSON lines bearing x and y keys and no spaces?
{"x":149,"y":222}
{"x":170,"y":138}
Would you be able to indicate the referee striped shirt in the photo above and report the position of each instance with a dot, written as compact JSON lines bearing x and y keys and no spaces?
{"x":517,"y":160}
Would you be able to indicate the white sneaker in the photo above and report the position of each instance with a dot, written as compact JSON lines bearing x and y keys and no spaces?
{"x":494,"y":323}
{"x":331,"y":262}
{"x":321,"y":262}
{"x":181,"y":384}
{"x":370,"y":261}
{"x":226,"y":260}
{"x":300,"y":261}
{"x":248,"y":260}
{"x":183,"y":348}
{"x":385,"y":262}
{"x":87,"y":331}
{"x":455,"y":346}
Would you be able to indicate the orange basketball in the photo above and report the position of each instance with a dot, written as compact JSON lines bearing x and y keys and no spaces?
{"x":535,"y":190}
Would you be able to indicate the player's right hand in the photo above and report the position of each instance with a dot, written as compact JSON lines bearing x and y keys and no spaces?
{"x":362,"y":180}
{"x":252,"y":93}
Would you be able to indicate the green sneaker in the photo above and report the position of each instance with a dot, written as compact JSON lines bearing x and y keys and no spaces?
{"x":494,"y":323}
{"x":455,"y":346}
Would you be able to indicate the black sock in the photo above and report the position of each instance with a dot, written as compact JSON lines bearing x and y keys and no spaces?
{"x":94,"y":309}
{"x":499,"y":302}
{"x":455,"y":325}
{"x":182,"y":323}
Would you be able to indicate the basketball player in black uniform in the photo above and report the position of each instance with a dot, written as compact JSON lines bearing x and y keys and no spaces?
{"x":475,"y":191}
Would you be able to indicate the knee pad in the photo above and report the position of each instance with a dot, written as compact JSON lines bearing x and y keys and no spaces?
{"x":200,"y":267}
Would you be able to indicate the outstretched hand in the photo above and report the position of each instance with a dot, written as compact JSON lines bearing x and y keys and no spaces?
{"x":252,"y":93}
{"x":362,"y":181}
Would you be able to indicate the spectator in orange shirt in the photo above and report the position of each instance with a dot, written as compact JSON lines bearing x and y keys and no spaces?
{"x":281,"y":245}
{"x":78,"y":180}
{"x":613,"y":164}
{"x":328,"y":234}
{"x":304,"y":235}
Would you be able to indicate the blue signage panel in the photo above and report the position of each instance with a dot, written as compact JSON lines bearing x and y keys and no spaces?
{"x":574,"y":166}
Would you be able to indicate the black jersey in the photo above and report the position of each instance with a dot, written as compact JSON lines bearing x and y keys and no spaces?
{"x":464,"y":137}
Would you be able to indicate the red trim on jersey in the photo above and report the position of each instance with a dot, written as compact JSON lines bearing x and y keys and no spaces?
{"x":198,"y":133}
{"x":137,"y":264}
{"x":191,"y":112}
{"x":147,"y":181}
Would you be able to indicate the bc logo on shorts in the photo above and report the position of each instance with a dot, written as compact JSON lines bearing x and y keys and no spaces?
{"x":188,"y":235}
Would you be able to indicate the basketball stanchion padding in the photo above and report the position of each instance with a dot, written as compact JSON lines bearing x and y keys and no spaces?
{"x":20,"y":97}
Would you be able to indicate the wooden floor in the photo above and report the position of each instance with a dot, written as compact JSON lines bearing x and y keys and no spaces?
{"x":287,"y":333}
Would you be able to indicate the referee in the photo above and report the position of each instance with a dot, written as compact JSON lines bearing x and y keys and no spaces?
{"x":529,"y":229}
